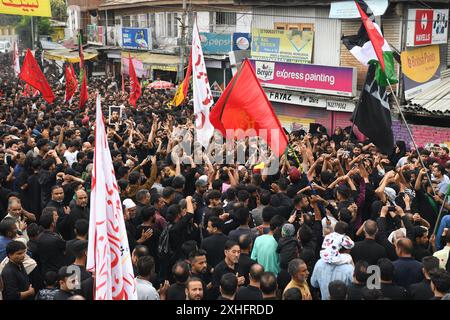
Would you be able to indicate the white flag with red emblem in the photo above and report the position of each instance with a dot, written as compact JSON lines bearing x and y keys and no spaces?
{"x":16,"y":63}
{"x":108,"y":251}
{"x":203,"y":99}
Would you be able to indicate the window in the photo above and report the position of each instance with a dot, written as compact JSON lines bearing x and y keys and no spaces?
{"x":143,"y":21}
{"x":226,"y":18}
{"x":134,"y":21}
{"x":172,"y":25}
{"x":295,"y":26}
{"x":151,"y":21}
{"x":126,"y":21}
{"x":117,"y":21}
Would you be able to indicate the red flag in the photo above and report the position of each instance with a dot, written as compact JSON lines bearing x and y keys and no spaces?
{"x":32,"y":74}
{"x":375,"y":37}
{"x":135,"y":87}
{"x":244,"y":105}
{"x":71,"y":83}
{"x":83,"y":92}
{"x":188,"y":76}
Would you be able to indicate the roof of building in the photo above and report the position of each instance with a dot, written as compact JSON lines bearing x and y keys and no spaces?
{"x":118,"y":4}
{"x":433,"y":101}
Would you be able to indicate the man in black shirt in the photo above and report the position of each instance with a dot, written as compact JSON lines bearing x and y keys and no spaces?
{"x":51,"y":246}
{"x":440,"y":283}
{"x":368,"y":250}
{"x":269,"y":286}
{"x":214,"y":244}
{"x":199,"y":269}
{"x":228,"y":286}
{"x":422,"y":290}
{"x":245,"y":262}
{"x":57,"y":202}
{"x":354,"y":289}
{"x":79,"y":211}
{"x":177,"y":291}
{"x":252,"y":291}
{"x":67,"y":283}
{"x":229,"y":265}
{"x":16,"y":284}
{"x":388,"y":288}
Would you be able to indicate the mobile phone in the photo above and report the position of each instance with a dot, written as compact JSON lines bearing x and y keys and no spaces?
{"x":391,"y":209}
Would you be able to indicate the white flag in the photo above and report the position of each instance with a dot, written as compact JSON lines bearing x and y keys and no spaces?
{"x":108,"y":251}
{"x":203,"y":99}
{"x":16,"y":64}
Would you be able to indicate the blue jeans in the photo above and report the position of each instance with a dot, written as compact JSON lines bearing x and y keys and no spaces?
{"x":445,"y":223}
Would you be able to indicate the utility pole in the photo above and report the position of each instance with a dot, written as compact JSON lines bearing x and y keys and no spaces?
{"x":183,"y":42}
{"x":32,"y":33}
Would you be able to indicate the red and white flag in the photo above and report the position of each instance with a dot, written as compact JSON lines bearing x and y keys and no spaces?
{"x":203,"y":99}
{"x":16,"y":64}
{"x":108,"y":251}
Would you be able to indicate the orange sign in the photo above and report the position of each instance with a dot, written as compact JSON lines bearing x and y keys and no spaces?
{"x":421,"y":64}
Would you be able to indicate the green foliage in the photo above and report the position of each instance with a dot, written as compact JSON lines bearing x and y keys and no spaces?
{"x":41,"y":26}
{"x":59,"y":10}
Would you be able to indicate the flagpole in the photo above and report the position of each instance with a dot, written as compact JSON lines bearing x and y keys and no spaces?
{"x":409,"y":132}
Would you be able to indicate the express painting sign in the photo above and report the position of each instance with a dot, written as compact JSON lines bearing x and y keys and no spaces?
{"x":339,"y":81}
{"x":137,"y":38}
{"x":427,"y":26}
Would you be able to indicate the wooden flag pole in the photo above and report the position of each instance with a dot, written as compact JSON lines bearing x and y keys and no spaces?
{"x":409,"y":132}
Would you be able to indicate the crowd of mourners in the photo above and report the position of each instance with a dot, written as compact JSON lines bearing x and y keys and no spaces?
{"x":338,"y":220}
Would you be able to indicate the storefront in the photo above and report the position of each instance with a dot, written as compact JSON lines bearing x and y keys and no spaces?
{"x":303,"y":94}
{"x":151,"y":65}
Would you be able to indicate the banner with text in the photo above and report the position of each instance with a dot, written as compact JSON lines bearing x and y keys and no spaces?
{"x":421,"y":69}
{"x":427,"y":26}
{"x":37,"y":8}
{"x":137,"y":38}
{"x":340,"y":81}
{"x":279,"y":45}
{"x":215,"y":42}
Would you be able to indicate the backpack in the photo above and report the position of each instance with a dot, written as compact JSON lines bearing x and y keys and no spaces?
{"x":163,"y":243}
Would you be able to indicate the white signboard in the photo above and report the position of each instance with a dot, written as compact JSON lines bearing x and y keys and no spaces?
{"x":340,"y":105}
{"x":348,"y":9}
{"x":427,"y":26}
{"x":283,"y":96}
{"x":295,"y":98}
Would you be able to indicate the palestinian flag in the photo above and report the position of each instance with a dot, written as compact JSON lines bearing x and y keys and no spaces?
{"x":369,"y":46}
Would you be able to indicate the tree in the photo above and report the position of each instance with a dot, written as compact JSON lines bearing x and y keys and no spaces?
{"x":41,"y":26}
{"x":9,"y":20}
{"x":59,"y":10}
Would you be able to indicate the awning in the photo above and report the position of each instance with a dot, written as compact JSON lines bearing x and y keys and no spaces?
{"x":433,"y":101}
{"x":69,"y":55}
{"x":155,"y":61}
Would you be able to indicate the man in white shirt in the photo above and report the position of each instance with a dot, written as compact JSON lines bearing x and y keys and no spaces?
{"x":71,"y":152}
{"x":144,"y":288}
{"x":443,"y":254}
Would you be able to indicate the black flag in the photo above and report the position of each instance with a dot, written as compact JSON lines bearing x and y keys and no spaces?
{"x":372,"y":115}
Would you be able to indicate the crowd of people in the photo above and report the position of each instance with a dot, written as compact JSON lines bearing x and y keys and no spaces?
{"x":338,"y":220}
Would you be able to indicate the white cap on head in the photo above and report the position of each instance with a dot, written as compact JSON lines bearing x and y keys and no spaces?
{"x":128,"y":203}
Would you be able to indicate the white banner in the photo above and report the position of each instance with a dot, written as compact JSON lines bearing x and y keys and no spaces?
{"x":203,"y":99}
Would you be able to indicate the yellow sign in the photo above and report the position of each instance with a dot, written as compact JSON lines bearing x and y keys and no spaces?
{"x":40,"y":8}
{"x":421,"y":64}
{"x":285,"y":46}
